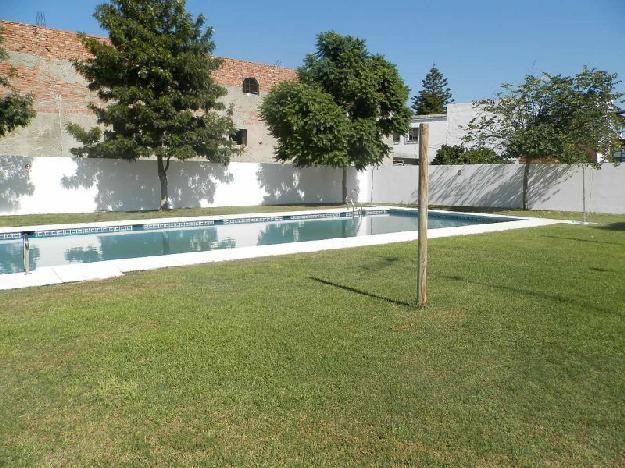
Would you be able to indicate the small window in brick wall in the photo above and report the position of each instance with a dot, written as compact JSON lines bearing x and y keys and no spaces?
{"x":250,"y":86}
{"x":413,"y":135}
{"x":240,"y":137}
{"x":396,"y":138}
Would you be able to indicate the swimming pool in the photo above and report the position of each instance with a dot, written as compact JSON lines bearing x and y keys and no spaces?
{"x":63,"y":253}
{"x":55,"y":247}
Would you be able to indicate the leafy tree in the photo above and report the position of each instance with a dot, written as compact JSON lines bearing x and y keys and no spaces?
{"x":155,"y":81}
{"x":16,"y":110}
{"x":434,"y":95}
{"x":346,"y":102}
{"x":463,"y":155}
{"x":551,"y":118}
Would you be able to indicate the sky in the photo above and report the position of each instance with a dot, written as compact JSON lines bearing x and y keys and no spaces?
{"x":477,"y":44}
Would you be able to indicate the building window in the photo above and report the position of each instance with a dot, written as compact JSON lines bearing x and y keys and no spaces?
{"x":250,"y":86}
{"x":413,"y":135}
{"x":396,"y":138}
{"x":240,"y":137}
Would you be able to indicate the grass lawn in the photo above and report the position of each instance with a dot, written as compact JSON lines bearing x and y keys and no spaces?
{"x":323,"y":359}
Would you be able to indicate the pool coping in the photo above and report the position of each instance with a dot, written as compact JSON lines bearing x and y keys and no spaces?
{"x":114,"y":268}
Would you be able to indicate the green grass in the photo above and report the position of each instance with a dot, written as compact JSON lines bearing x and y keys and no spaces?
{"x":323,"y":359}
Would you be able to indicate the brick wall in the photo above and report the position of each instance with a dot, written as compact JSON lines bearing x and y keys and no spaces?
{"x":42,"y":59}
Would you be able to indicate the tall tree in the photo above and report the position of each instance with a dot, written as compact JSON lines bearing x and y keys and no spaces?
{"x":346,"y":102}
{"x":434,"y":95}
{"x":155,"y":82}
{"x":16,"y":110}
{"x":554,"y":118}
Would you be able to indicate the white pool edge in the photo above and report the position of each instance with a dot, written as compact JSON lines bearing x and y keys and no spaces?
{"x":43,"y":276}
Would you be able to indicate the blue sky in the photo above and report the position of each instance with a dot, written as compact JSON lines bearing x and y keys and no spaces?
{"x":477,"y":44}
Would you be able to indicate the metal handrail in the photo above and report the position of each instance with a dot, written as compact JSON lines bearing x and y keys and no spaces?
{"x":26,"y":250}
{"x":350,"y":201}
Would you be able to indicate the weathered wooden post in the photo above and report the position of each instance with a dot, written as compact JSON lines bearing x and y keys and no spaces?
{"x":422,"y":286}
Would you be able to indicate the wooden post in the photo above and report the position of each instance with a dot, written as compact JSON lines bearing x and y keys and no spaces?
{"x":422,"y":286}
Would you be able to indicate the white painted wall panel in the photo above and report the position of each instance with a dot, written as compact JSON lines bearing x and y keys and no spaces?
{"x":65,"y":185}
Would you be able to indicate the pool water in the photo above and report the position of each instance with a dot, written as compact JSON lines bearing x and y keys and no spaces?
{"x":87,"y":248}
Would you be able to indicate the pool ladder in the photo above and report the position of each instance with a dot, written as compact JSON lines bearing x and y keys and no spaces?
{"x":26,"y":250}
{"x":355,"y":208}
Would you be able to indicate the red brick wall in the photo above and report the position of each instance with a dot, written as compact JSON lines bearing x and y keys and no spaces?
{"x":48,"y":87}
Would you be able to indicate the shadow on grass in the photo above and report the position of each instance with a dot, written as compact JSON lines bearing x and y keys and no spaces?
{"x":578,"y":239}
{"x":533,"y":293}
{"x":380,"y":264}
{"x":363,"y":293}
{"x":602,"y":270}
{"x":613,"y":227}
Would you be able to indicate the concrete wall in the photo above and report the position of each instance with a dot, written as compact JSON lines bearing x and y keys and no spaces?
{"x":551,"y":187}
{"x":66,"y":185}
{"x":57,"y":185}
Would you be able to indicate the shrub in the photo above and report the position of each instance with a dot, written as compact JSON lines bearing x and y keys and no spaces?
{"x":460,"y":155}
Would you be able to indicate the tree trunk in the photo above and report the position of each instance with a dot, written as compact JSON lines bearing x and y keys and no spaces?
{"x":162,"y":175}
{"x":344,"y":184}
{"x":526,"y":181}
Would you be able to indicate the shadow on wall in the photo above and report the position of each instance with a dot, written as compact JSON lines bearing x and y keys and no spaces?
{"x":492,"y":185}
{"x":546,"y":180}
{"x":286,"y":184}
{"x":14,"y":181}
{"x":134,"y":185}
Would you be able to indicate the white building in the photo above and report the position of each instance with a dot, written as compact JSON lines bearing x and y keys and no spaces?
{"x":445,"y":129}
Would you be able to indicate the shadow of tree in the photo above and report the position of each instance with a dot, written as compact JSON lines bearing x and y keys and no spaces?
{"x":612,"y":227}
{"x":544,"y":180}
{"x":134,"y":186}
{"x":488,"y":185}
{"x":285,"y":184}
{"x":494,"y":185}
{"x":14,"y":181}
{"x":579,"y":239}
{"x":533,"y":293}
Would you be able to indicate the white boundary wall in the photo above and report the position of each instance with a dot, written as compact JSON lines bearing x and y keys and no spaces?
{"x":66,"y":185}
{"x":551,"y":186}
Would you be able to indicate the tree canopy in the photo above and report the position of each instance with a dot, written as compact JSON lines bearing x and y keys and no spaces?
{"x":155,"y":82}
{"x":566,"y":119}
{"x":346,"y":102}
{"x":434,"y":96}
{"x":16,"y":110}
{"x":458,"y":154}
{"x":551,"y":118}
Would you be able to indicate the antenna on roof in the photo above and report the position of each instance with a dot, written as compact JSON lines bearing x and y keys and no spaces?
{"x":40,"y":19}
